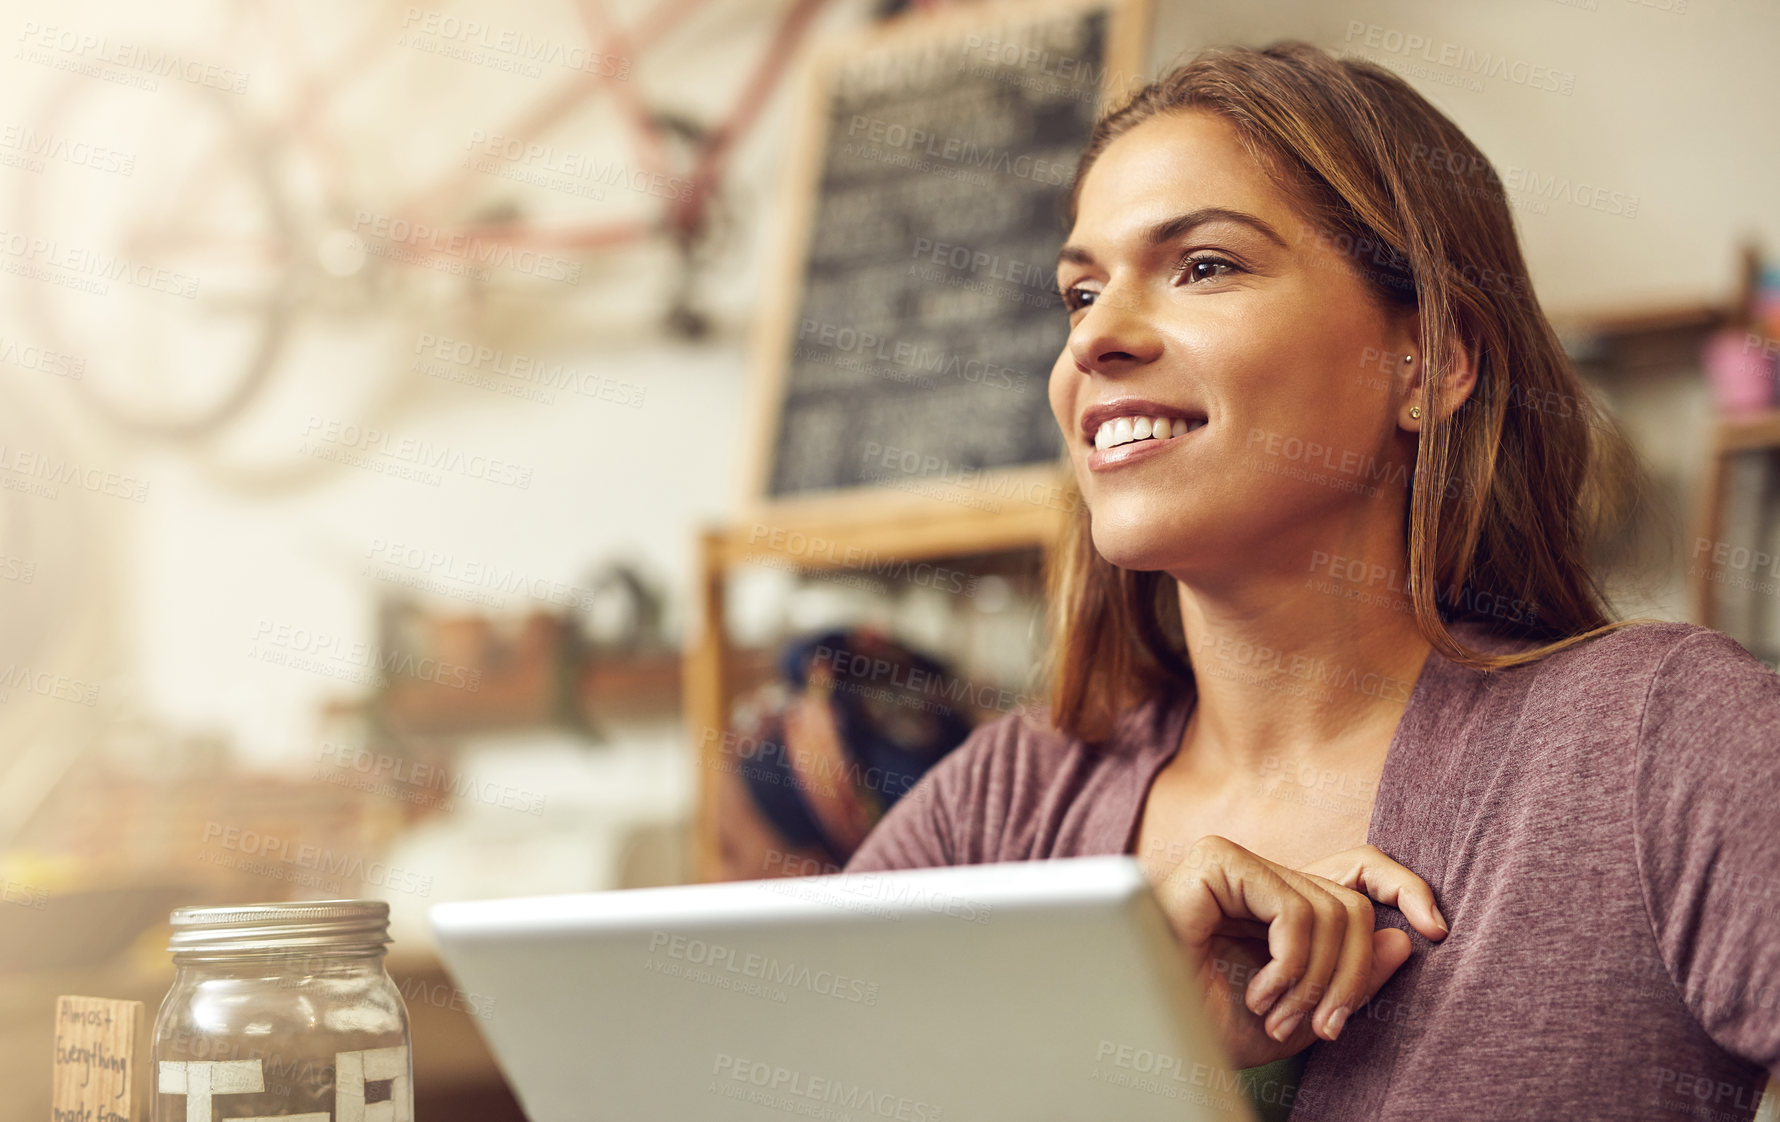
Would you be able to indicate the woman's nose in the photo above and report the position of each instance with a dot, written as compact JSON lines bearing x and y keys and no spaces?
{"x":1115,"y":332}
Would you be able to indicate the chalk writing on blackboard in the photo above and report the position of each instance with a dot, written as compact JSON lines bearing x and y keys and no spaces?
{"x":928,"y":318}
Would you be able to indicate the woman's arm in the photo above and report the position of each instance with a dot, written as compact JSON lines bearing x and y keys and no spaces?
{"x":1706,"y":831}
{"x":917,"y":832}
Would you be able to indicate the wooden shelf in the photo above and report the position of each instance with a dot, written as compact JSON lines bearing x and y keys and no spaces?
{"x":1744,"y":431}
{"x":825,"y":537}
{"x":1654,"y":319}
{"x":627,"y":686}
{"x":650,"y":685}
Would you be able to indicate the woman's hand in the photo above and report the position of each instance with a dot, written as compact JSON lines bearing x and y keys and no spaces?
{"x":1284,"y":956}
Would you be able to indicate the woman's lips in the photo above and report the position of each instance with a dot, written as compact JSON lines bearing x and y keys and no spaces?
{"x":1111,"y":459}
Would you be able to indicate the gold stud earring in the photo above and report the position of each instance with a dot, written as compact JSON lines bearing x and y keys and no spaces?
{"x":1415,"y":412}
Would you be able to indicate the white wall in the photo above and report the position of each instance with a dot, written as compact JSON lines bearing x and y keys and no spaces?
{"x":1671,"y":103}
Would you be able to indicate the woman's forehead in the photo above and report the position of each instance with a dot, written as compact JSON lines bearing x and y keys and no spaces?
{"x":1169,"y":164}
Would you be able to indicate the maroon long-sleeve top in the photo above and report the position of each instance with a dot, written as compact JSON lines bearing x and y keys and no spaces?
{"x":1602,"y":831}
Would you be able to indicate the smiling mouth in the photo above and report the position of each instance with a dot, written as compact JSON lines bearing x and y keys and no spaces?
{"x":1130,"y":430}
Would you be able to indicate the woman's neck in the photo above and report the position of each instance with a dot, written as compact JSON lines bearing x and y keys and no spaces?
{"x":1293,"y":676}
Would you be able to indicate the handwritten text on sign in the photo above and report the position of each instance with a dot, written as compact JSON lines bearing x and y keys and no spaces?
{"x":95,"y":1044}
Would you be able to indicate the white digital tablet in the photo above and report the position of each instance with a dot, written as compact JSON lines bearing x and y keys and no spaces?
{"x":1024,"y":992}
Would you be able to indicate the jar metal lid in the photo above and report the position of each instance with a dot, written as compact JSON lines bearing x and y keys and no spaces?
{"x":319,"y":924}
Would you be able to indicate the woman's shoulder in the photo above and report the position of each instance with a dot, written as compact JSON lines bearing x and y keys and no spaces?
{"x":1649,"y":680}
{"x":1025,"y":748}
{"x":1628,"y":659}
{"x":987,"y":799}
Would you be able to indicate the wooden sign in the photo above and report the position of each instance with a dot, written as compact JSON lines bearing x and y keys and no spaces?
{"x":906,"y":347}
{"x":95,"y":1060}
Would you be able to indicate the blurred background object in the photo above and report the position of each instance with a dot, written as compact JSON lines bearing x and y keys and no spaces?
{"x":441,"y":455}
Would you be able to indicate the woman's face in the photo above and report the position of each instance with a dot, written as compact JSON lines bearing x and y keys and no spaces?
{"x":1198,"y":294}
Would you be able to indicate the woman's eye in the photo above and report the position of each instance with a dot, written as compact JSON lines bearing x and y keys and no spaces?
{"x":1192,"y":270}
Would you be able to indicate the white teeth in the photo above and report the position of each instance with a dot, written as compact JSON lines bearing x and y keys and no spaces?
{"x":1125,"y":430}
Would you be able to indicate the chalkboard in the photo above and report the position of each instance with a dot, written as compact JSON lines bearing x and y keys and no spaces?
{"x":920,"y":325}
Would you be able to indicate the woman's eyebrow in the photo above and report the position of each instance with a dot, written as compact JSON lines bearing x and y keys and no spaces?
{"x":1168,"y":230}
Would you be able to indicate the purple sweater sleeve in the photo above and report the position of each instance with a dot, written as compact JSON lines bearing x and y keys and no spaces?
{"x":1707,"y":836}
{"x":919,"y":831}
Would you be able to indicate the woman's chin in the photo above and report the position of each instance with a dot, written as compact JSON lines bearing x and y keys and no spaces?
{"x":1141,"y":549}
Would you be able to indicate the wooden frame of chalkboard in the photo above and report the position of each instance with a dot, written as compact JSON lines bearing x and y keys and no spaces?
{"x":904,"y":349}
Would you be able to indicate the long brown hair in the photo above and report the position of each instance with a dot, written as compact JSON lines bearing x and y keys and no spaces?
{"x":1509,"y":490}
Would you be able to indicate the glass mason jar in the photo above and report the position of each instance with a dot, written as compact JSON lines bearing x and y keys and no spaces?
{"x":282,"y":1011}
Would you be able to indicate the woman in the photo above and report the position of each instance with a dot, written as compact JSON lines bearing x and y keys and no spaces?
{"x":1326,"y":637}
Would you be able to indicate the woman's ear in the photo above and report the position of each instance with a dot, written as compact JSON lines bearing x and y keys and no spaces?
{"x":1458,"y":382}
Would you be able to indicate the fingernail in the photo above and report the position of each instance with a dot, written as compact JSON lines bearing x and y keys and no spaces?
{"x":1264,"y":1000}
{"x":1336,"y":1020}
{"x":1287,"y":1027}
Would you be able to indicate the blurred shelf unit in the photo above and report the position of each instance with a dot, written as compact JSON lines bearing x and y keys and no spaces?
{"x":1734,"y":572}
{"x":813,"y":539}
{"x":1626,"y":342}
{"x":1747,"y":432}
{"x":1733,"y":467}
{"x":515,"y":673}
